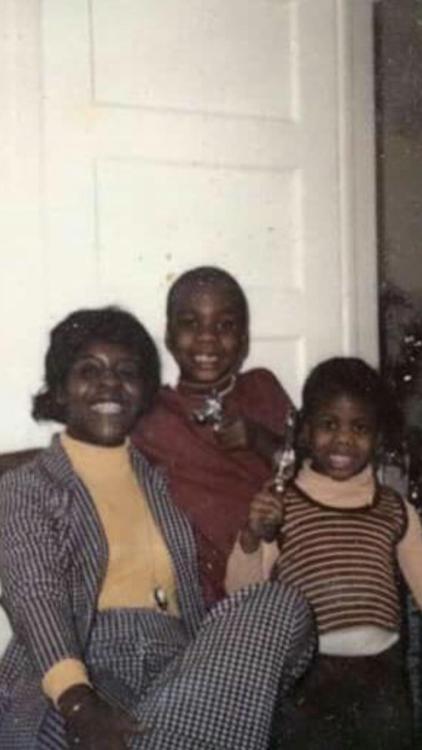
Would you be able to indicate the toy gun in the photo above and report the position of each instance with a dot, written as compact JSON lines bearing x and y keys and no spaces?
{"x":285,"y":457}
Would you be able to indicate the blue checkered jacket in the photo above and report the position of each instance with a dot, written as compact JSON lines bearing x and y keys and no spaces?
{"x":53,"y":556}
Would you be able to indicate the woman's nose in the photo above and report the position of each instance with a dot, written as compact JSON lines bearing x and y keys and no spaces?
{"x":109,"y":377}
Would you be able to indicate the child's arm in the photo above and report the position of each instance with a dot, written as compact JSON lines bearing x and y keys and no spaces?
{"x":409,"y":554}
{"x":251,"y":561}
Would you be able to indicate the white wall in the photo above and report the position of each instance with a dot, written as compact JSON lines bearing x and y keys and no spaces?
{"x":141,"y":137}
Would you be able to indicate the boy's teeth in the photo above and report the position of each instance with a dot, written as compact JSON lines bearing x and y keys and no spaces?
{"x":205,"y":358}
{"x":107,"y":407}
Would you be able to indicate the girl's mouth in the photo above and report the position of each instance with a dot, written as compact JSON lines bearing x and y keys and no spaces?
{"x":340,"y":461}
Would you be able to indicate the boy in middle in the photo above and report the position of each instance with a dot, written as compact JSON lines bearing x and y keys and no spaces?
{"x":218,"y":431}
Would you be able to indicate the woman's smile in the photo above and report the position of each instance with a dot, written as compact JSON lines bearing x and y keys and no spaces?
{"x":103,"y":394}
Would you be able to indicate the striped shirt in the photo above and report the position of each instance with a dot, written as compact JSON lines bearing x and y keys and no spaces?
{"x":343,"y":559}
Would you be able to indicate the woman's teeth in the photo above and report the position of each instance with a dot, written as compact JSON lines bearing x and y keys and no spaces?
{"x":107,"y":407}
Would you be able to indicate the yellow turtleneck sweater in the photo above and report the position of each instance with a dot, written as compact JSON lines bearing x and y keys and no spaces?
{"x":138,"y":559}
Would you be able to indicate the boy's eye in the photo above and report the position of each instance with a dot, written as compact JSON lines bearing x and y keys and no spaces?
{"x":188,"y":322}
{"x":227,"y":325}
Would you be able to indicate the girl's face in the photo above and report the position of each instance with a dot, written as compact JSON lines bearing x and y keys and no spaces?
{"x":102,"y":394}
{"x":341,"y":436}
{"x":206,"y":333}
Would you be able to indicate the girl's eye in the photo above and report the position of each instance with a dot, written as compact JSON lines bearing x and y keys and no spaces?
{"x":361,"y":428}
{"x":326,"y":423}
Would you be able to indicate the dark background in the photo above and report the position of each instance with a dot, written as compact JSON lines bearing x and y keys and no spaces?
{"x":398,"y":68}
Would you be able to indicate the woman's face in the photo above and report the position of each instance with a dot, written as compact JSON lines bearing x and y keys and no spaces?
{"x":102,"y":394}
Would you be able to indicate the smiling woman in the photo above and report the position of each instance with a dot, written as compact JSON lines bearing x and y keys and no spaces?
{"x":102,"y":394}
{"x":112,"y":647}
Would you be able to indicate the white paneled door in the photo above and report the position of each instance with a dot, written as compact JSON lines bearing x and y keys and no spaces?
{"x":172,"y":133}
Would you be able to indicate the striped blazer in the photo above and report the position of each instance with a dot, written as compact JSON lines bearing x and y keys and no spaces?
{"x":53,"y":556}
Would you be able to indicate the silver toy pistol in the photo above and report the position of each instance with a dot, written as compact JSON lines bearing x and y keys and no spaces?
{"x":285,"y":457}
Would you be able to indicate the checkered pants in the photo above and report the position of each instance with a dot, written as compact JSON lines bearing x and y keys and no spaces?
{"x":215,"y":692}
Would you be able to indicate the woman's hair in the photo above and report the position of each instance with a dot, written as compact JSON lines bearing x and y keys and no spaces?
{"x":352,"y":377}
{"x":208,"y":275}
{"x":110,"y":324}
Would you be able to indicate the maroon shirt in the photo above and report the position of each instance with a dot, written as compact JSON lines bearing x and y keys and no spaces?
{"x":212,"y":486}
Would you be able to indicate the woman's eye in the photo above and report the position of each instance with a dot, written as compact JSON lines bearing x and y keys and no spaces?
{"x":129,"y":372}
{"x":88,"y":371}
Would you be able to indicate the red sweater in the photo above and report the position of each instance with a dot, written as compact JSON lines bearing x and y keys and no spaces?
{"x":212,"y":486}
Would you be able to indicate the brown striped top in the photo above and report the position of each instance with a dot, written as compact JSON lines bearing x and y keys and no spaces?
{"x":343,"y":559}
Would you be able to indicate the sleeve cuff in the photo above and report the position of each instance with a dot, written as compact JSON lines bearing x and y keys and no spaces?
{"x":62,"y":676}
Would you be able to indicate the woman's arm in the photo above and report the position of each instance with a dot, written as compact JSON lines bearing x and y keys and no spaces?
{"x":33,"y":565}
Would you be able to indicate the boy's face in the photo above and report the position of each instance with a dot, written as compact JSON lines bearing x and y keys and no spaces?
{"x":206,"y":332}
{"x":341,"y":436}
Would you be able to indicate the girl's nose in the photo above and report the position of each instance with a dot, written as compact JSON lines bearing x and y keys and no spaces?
{"x":344,"y":435}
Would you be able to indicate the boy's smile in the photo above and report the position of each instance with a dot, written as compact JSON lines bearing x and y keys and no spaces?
{"x":341,"y":436}
{"x":206,"y":333}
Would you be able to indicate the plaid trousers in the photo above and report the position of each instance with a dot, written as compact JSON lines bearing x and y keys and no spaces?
{"x":216,"y":691}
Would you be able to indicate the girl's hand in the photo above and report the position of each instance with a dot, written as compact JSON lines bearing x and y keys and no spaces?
{"x":92,"y":723}
{"x":265,"y":515}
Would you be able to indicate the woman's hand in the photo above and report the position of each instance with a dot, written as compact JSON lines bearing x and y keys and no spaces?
{"x":92,"y":723}
{"x":265,"y":519}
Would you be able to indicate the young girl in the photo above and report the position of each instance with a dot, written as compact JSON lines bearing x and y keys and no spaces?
{"x":340,"y":537}
{"x":215,"y":461}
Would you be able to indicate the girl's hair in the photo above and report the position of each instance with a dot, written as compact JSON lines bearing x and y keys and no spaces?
{"x":353,"y":377}
{"x":208,"y":275}
{"x":110,"y":324}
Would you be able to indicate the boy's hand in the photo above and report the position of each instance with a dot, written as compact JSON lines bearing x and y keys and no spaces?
{"x":265,"y":519}
{"x":239,"y":433}
{"x":234,"y":434}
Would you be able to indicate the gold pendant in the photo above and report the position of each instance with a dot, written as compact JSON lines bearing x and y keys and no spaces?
{"x":160,"y":598}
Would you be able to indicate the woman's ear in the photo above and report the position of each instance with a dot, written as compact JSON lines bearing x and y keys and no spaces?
{"x":59,"y":395}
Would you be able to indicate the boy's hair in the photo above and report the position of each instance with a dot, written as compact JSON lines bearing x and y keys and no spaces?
{"x":208,"y":275}
{"x":353,"y":377}
{"x":110,"y":324}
